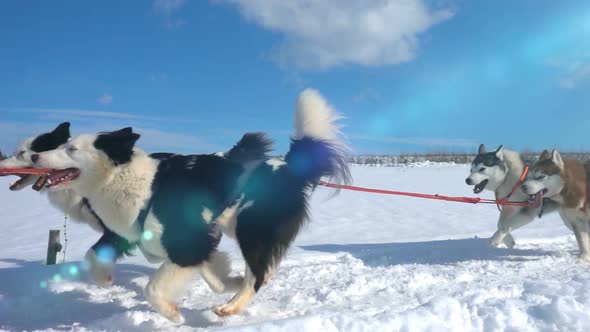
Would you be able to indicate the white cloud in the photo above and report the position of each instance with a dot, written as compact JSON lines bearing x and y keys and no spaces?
{"x":577,"y":74}
{"x":58,"y":113}
{"x":329,"y":33}
{"x":168,"y":7}
{"x":105,"y":99}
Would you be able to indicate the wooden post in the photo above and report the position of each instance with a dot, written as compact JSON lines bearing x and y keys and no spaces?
{"x":53,"y":247}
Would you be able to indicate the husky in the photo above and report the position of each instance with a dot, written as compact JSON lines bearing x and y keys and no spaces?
{"x":178,"y":208}
{"x":566,"y":183}
{"x":503,"y":171}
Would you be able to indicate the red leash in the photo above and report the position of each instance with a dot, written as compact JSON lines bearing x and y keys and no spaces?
{"x":503,"y":201}
{"x":24,"y":171}
{"x":472,"y":200}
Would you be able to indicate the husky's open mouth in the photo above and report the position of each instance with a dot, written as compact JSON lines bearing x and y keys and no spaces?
{"x":480,"y":187}
{"x":57,"y":177}
{"x":536,"y":200}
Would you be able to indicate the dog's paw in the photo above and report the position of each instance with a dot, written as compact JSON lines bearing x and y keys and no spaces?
{"x":509,"y":242}
{"x":171,"y":312}
{"x":225,"y":310}
{"x":497,"y":240}
{"x":583,"y":258}
{"x":101,"y":273}
{"x":494,"y":243}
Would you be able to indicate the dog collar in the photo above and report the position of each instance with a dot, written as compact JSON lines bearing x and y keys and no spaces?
{"x":504,"y":200}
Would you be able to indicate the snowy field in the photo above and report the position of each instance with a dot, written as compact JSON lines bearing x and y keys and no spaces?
{"x":366,"y":262}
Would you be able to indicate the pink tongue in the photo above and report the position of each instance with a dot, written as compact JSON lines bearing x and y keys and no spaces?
{"x":537,"y":200}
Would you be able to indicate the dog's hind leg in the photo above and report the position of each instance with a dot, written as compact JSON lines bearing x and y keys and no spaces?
{"x":165,"y":286}
{"x":582,"y":232}
{"x":215,"y":272}
{"x":242,"y":297}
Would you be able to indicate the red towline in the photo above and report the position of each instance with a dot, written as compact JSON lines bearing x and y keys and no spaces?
{"x":25,"y":171}
{"x":472,"y":200}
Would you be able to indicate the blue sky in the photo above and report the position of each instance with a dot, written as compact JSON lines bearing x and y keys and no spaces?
{"x":192,"y":76}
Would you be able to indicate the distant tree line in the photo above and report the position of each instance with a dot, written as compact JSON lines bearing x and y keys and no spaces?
{"x":2,"y":156}
{"x":455,"y":158}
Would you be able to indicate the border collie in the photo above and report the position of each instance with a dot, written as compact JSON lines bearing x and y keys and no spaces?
{"x":177,"y":208}
{"x":71,"y":204}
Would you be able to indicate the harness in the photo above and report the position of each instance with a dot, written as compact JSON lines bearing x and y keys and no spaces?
{"x":503,"y":201}
{"x":587,"y":200}
{"x":86,"y":203}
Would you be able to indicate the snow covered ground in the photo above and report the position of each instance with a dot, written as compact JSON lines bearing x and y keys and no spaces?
{"x":366,"y":262}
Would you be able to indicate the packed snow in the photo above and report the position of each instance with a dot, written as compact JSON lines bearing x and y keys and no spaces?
{"x":365,"y":262}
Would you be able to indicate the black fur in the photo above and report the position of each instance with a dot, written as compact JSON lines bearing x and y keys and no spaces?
{"x":183,"y":187}
{"x":252,"y":146}
{"x":118,"y":145}
{"x":267,"y":228}
{"x":120,"y":246}
{"x":52,"y":140}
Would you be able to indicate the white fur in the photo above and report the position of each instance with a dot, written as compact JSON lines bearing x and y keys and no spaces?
{"x":275,"y":163}
{"x":153,"y":245}
{"x":556,"y":157}
{"x":207,"y":215}
{"x":66,"y":201}
{"x":315,"y":118}
{"x":165,"y":286}
{"x":119,"y":193}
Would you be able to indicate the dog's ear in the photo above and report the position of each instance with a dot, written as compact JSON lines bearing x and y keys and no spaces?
{"x":556,"y":158}
{"x":500,"y":152}
{"x":117,"y":145}
{"x":545,"y":155}
{"x":482,"y":149}
{"x":52,"y":140}
{"x":62,"y":129}
{"x":122,"y":132}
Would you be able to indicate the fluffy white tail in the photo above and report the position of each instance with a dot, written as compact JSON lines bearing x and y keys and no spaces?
{"x":315,"y":118}
{"x":317,"y":148}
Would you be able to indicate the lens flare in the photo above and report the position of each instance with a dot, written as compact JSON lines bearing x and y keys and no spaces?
{"x":147,"y":235}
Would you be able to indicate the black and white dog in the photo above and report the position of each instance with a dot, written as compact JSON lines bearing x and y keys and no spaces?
{"x":110,"y":245}
{"x":176,"y":208}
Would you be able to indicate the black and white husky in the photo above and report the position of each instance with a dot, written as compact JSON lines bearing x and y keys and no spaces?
{"x":503,"y":171}
{"x":177,"y":208}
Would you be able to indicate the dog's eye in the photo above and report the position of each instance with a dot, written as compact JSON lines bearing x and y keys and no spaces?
{"x":540,"y":177}
{"x":72,"y":149}
{"x":482,"y":169}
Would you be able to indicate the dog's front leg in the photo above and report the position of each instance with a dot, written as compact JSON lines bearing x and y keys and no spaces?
{"x":510,"y":220}
{"x":101,"y":257}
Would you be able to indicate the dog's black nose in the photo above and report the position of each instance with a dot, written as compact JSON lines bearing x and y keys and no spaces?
{"x":35,"y":157}
{"x":469,"y":181}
